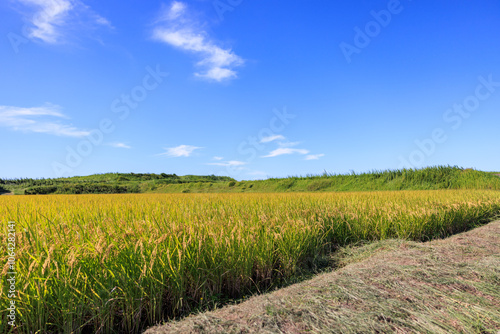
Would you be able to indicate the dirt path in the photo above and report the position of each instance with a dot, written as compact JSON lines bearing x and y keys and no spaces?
{"x":443,"y":286}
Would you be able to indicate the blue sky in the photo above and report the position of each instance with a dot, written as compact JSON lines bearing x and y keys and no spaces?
{"x":249,"y":89}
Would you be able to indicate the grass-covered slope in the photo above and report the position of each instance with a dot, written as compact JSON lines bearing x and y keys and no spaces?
{"x":103,"y":183}
{"x":439,"y":177}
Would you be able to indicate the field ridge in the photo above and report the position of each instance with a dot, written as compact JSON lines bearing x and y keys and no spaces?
{"x":429,"y":178}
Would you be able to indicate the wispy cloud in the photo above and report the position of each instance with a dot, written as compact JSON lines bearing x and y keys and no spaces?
{"x":232,"y":163}
{"x":50,"y":19}
{"x":218,"y":158}
{"x":272,"y":138}
{"x":177,"y":28}
{"x":180,"y":151}
{"x":314,"y":156}
{"x":288,"y":143}
{"x":119,"y":145}
{"x":257,"y":173}
{"x":285,"y":150}
{"x":177,"y":9}
{"x":35,"y":120}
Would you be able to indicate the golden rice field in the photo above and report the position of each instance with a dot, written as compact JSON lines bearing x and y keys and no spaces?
{"x":116,"y":263}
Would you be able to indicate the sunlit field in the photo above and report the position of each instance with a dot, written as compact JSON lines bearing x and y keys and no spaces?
{"x":109,"y":263}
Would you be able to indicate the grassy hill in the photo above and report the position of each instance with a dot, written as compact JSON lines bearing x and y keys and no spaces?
{"x":439,"y":177}
{"x":103,"y":183}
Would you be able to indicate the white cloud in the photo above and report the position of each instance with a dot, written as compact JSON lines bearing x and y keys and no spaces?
{"x":51,"y":19}
{"x":272,"y":138}
{"x":314,"y":156}
{"x":180,"y":151}
{"x":28,"y":120}
{"x":218,"y":158}
{"x":257,"y":173}
{"x":119,"y":145}
{"x":285,"y":150}
{"x":176,"y":10}
{"x":232,"y":163}
{"x":289,"y":143}
{"x":177,"y":29}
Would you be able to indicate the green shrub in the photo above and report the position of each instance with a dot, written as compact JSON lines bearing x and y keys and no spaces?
{"x":42,"y":190}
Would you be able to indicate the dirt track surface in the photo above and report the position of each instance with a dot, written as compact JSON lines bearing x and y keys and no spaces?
{"x":443,"y":286}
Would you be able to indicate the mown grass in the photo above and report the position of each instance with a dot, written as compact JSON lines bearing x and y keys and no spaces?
{"x":117,"y":263}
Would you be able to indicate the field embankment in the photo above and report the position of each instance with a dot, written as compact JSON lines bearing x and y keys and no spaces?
{"x":392,"y":286}
{"x":430,"y":178}
{"x":122,"y":262}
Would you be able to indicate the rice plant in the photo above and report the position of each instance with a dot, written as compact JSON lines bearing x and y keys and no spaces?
{"x":117,"y":263}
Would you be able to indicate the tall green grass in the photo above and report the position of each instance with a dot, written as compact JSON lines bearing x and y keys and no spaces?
{"x":430,"y":178}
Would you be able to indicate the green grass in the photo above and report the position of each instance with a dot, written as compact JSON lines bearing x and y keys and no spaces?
{"x":102,"y":183}
{"x":430,"y":178}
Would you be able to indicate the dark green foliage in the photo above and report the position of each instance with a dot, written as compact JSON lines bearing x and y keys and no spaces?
{"x":98,"y":188}
{"x":2,"y":189}
{"x":105,"y":183}
{"x":40,"y":190}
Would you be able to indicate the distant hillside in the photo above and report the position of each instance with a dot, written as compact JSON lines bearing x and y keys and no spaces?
{"x":439,"y":177}
{"x":103,"y":183}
